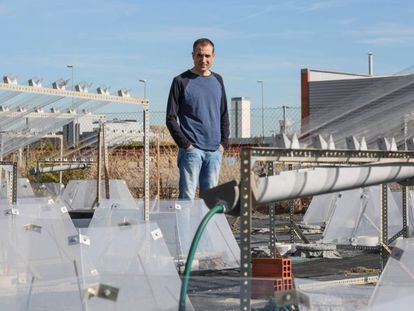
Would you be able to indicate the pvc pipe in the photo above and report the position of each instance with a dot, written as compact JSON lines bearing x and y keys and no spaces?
{"x":313,"y":181}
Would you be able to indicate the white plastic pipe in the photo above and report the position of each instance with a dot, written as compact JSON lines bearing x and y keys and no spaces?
{"x":306,"y":182}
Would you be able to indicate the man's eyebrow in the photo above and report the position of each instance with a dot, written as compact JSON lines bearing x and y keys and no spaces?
{"x":201,"y":54}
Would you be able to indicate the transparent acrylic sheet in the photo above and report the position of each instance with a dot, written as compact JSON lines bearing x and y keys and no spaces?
{"x":38,"y":262}
{"x":178,"y":221}
{"x":24,"y":189}
{"x":80,"y":194}
{"x":137,"y":262}
{"x":355,"y":218}
{"x":397,"y":280}
{"x":111,"y":214}
{"x":335,"y":297}
{"x":397,"y":195}
{"x":53,"y":189}
{"x":27,"y":201}
{"x":40,"y":208}
{"x":319,"y":209}
{"x":217,"y":248}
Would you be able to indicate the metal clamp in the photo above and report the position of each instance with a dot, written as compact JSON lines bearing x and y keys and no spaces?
{"x":291,"y":298}
{"x":33,"y":227}
{"x":79,"y":239}
{"x":397,"y":253}
{"x":156,"y":234}
{"x":11,"y":211}
{"x":102,"y":291}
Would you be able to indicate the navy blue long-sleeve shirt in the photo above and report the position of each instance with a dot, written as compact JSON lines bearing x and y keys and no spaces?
{"x":199,"y":103}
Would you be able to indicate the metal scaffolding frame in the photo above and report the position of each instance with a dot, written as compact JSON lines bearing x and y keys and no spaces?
{"x":310,"y":157}
{"x":61,"y":93}
{"x":11,"y":169}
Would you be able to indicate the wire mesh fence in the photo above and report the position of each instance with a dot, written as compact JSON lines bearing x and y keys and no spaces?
{"x":255,"y":122}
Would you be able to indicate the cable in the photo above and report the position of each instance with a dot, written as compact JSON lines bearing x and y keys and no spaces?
{"x":219,"y":208}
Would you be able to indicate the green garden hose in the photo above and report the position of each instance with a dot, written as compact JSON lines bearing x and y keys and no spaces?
{"x":184,"y":285}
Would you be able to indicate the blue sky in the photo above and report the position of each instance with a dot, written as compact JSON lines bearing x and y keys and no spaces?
{"x":116,"y":43}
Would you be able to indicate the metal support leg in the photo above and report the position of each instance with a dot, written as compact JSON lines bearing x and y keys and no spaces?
{"x":146,"y":163}
{"x":272,"y":213}
{"x":27,"y":158}
{"x":61,"y":160}
{"x":384,"y":224}
{"x":14,"y":183}
{"x":291,"y":213}
{"x":106,"y":164}
{"x":99,"y":167}
{"x":406,"y":229}
{"x":245,"y":229}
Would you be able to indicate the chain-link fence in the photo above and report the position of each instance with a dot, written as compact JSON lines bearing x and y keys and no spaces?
{"x":249,"y":123}
{"x":124,"y":128}
{"x":255,"y":122}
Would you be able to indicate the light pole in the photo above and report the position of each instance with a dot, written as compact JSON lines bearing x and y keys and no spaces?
{"x":145,"y":87}
{"x":261,"y":83}
{"x":284,"y":119}
{"x":71,"y":67}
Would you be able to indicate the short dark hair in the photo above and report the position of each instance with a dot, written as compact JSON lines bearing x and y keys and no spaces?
{"x":202,"y":41}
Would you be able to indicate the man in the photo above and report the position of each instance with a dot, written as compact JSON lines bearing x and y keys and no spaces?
{"x":198,"y":121}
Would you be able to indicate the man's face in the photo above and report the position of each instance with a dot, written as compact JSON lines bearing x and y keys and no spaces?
{"x":203,"y":57}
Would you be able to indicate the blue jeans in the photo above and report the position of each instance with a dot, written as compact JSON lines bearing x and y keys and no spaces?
{"x":198,"y":167}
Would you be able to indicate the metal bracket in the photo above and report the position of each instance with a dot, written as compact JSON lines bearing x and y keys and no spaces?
{"x":291,"y":298}
{"x":11,"y":211}
{"x":397,"y":253}
{"x":156,"y":234}
{"x":299,"y":232}
{"x":79,"y":239}
{"x":102,"y":291}
{"x":33,"y":227}
{"x":396,"y":236}
{"x":126,"y":223}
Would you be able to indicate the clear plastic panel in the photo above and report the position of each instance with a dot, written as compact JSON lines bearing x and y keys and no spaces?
{"x":24,"y":189}
{"x":369,"y":225}
{"x":135,"y":260}
{"x":217,"y":248}
{"x":110,"y":216}
{"x":38,"y":261}
{"x":397,"y":195}
{"x":396,"y":283}
{"x":343,"y":220}
{"x":355,"y":218}
{"x":80,"y":194}
{"x":335,"y":296}
{"x":179,"y":221}
{"x":320,"y":209}
{"x":51,"y":189}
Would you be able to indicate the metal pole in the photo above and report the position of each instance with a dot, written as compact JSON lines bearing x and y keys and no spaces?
{"x":144,"y":81}
{"x":146,"y":162}
{"x":158,"y":169}
{"x":99,"y":167}
{"x":261,"y":83}
{"x":246,"y":202}
{"x":71,"y":67}
{"x":405,"y":216}
{"x":61,"y":160}
{"x":370,"y":64}
{"x":383,"y":224}
{"x":284,"y":119}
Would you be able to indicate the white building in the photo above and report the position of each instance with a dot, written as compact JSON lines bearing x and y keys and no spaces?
{"x":240,"y":117}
